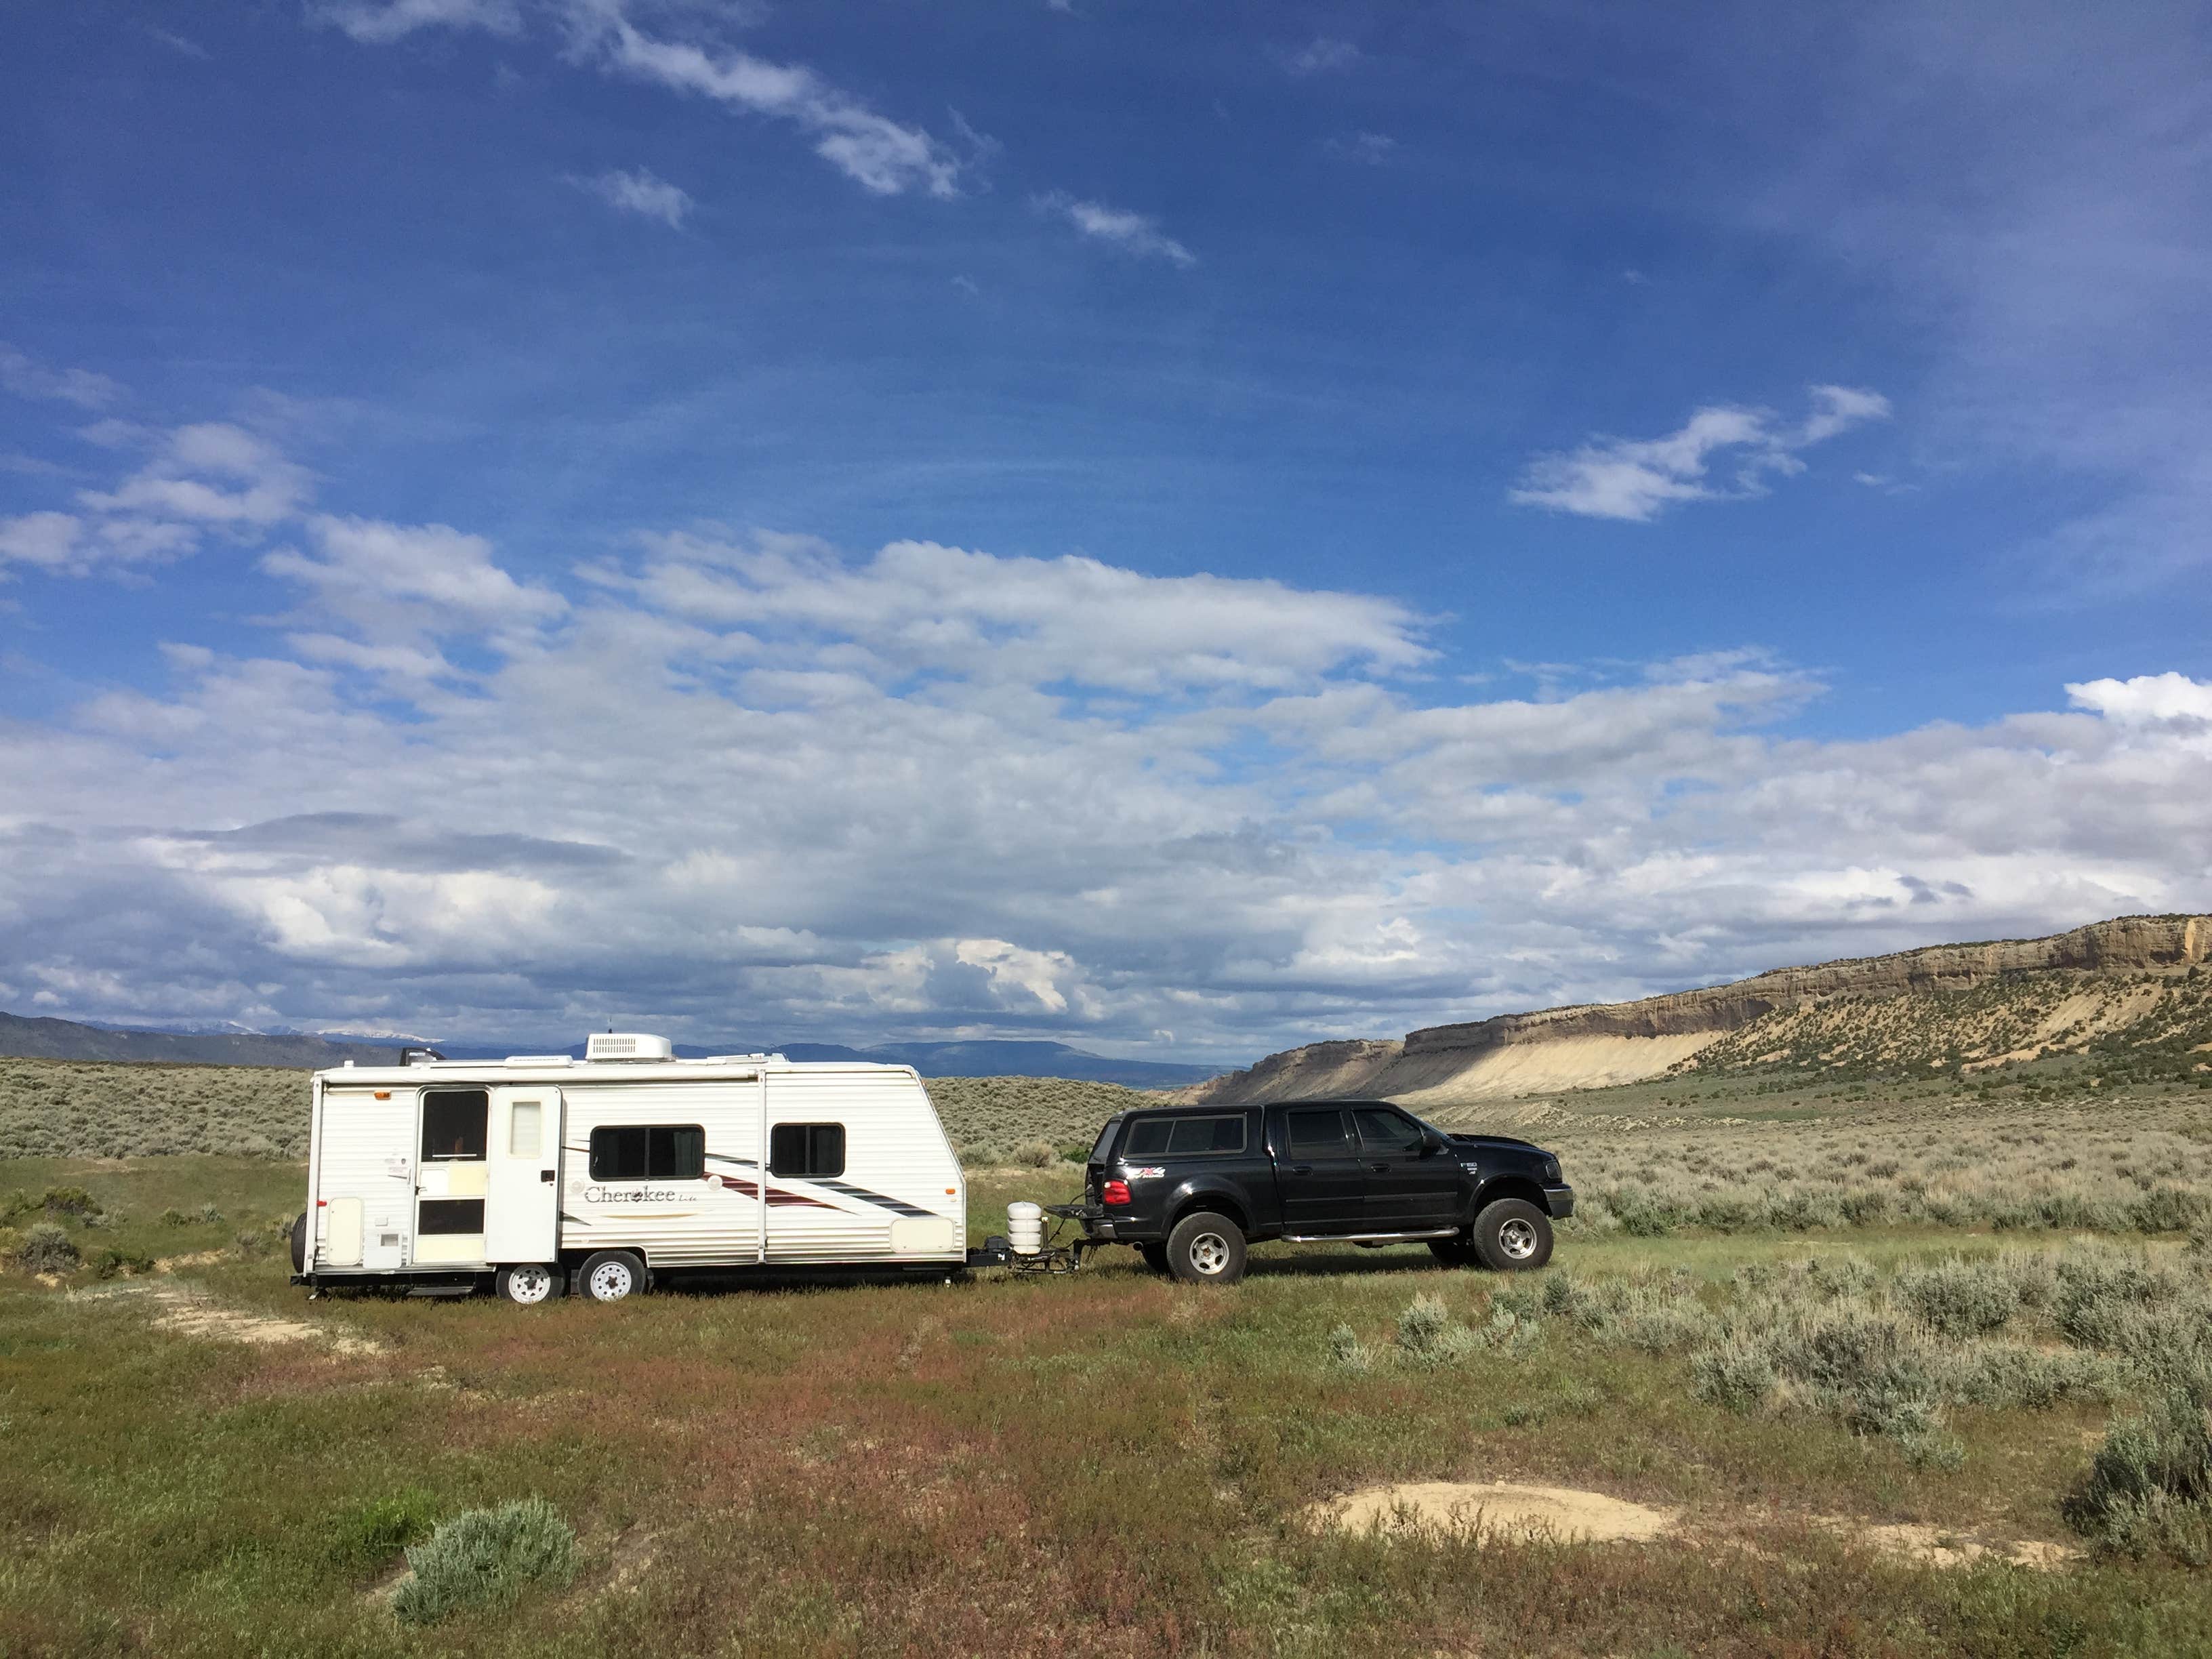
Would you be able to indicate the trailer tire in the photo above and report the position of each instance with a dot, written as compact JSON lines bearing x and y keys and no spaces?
{"x":612,"y":1275}
{"x":299,"y":1243}
{"x":526,"y":1284}
{"x":1206,"y":1248}
{"x":1512,"y":1236}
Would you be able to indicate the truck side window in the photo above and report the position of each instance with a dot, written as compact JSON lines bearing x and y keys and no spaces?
{"x":453,"y":1124}
{"x":1386,"y":1132}
{"x":647,"y":1151}
{"x":807,"y":1149}
{"x":1321,"y":1132}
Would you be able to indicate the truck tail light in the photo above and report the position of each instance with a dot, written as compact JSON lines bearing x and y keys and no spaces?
{"x":1115,"y":1191}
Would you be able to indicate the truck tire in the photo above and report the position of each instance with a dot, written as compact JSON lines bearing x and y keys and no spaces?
{"x":612,"y":1275}
{"x":1454,"y":1252}
{"x":1155,"y":1256}
{"x":299,"y":1243}
{"x":526,"y":1284}
{"x":1511,"y":1235}
{"x":1206,"y":1248}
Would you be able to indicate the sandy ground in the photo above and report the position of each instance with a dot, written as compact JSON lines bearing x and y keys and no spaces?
{"x":190,"y":1312}
{"x":1506,"y":1512}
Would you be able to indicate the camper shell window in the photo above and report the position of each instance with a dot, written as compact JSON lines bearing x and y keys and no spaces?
{"x":1183,"y":1137}
{"x":453,"y":1122}
{"x":648,"y":1152}
{"x":815,"y":1150}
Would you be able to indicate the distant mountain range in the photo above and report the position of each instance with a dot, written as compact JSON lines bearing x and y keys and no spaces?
{"x":63,"y":1039}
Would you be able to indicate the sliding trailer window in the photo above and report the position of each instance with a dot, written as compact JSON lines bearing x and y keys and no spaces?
{"x":648,"y":1152}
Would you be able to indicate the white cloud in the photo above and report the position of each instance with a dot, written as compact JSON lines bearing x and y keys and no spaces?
{"x":211,"y":473}
{"x":387,"y":579}
{"x":25,"y":378}
{"x":178,"y":43}
{"x":875,"y":151}
{"x":1371,"y":149}
{"x":639,"y":192}
{"x":374,"y":24}
{"x":1132,"y":232}
{"x":2146,"y":698}
{"x":1319,"y":56}
{"x":1636,"y":479}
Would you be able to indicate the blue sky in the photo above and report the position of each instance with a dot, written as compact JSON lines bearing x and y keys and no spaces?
{"x":1181,"y":528}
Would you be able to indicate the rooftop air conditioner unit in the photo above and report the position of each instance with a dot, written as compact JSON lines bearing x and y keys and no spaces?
{"x":628,"y":1045}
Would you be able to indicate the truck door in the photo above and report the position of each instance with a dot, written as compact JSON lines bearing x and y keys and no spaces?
{"x":1406,"y":1191}
{"x":522,"y":1197}
{"x":1317,"y":1165}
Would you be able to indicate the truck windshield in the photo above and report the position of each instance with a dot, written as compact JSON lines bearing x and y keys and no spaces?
{"x":1105,"y":1138}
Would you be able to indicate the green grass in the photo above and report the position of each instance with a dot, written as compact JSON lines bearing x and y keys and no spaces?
{"x":1109,"y":1464}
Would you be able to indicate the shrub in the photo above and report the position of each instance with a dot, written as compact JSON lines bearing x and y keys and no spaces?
{"x":1959,"y":1297}
{"x":112,"y":1262}
{"x":2150,"y":1490}
{"x":174,"y":1217}
{"x":484,"y":1558}
{"x":1036,"y":1154}
{"x":1738,"y":1373}
{"x":364,"y":1538}
{"x":72,"y":1201}
{"x":1348,"y":1351}
{"x":210,"y":1215}
{"x":1428,"y":1334}
{"x":46,"y":1249}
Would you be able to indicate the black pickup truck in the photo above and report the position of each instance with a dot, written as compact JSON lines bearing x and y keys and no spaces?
{"x":1190,"y":1187}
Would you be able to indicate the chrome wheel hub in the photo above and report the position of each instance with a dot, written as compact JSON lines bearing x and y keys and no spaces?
{"x":1517,"y":1239}
{"x":1209,"y":1253}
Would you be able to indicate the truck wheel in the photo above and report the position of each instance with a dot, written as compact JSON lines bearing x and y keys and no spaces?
{"x":299,"y":1243}
{"x":1454,"y":1252}
{"x":1513,"y":1236}
{"x":612,"y":1275}
{"x":1207,"y":1248}
{"x":529,"y":1283}
{"x":1155,"y":1256}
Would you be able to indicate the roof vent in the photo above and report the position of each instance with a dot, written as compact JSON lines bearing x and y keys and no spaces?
{"x":627,"y":1045}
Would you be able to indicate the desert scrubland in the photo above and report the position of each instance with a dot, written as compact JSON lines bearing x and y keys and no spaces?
{"x":1828,"y":1363}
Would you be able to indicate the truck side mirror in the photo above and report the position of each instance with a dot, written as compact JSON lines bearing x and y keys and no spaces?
{"x":1433,"y":1143}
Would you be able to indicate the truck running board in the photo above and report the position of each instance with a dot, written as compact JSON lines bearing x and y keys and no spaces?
{"x":1370,"y":1238}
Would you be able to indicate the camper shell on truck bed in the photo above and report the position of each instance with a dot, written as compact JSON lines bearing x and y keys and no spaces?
{"x":542,"y":1172}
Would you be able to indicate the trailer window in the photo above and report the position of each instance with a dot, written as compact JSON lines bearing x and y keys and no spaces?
{"x":453,"y":1124}
{"x":1169,"y":1137}
{"x":807,"y":1149}
{"x":648,"y":1152}
{"x":449,"y":1216}
{"x":1321,"y":1132}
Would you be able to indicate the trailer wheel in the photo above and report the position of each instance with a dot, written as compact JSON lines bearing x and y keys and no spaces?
{"x":1206,"y":1248}
{"x":529,"y":1283}
{"x":1155,"y":1256}
{"x":612,"y":1275}
{"x":299,"y":1243}
{"x":1513,"y":1236}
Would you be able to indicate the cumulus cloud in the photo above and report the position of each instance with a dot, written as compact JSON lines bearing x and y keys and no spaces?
{"x":1637,"y":479}
{"x":753,"y":787}
{"x":1132,"y":232}
{"x":639,"y":193}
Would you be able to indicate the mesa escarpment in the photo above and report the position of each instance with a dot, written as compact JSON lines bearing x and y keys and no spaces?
{"x":2112,"y":985}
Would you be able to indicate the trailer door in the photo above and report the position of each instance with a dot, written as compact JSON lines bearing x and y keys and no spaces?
{"x":522,"y":1197}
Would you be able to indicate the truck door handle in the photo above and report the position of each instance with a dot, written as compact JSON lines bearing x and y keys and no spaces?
{"x":1301,"y":1169}
{"x":546,"y":1175}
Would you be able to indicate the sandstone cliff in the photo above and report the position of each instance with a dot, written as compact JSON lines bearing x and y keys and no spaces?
{"x":2060,"y":993}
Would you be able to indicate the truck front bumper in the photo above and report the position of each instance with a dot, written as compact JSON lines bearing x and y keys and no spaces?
{"x":1560,"y":1201}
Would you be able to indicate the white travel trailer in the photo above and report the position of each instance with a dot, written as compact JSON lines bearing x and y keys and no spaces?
{"x":544,"y":1172}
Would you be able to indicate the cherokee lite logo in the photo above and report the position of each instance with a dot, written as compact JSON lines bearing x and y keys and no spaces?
{"x":633,"y":1196}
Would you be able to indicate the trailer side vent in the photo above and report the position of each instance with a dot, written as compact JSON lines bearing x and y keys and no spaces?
{"x":628,"y":1045}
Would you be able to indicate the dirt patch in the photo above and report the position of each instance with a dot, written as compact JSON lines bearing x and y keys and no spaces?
{"x":188,"y":1313}
{"x":1939,"y":1547}
{"x":1494,"y":1509}
{"x":169,"y":1264}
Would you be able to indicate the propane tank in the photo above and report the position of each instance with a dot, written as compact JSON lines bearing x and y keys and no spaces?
{"x":1025,"y":1228}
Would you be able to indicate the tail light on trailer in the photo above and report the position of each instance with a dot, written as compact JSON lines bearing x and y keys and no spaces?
{"x":1115,"y":1191}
